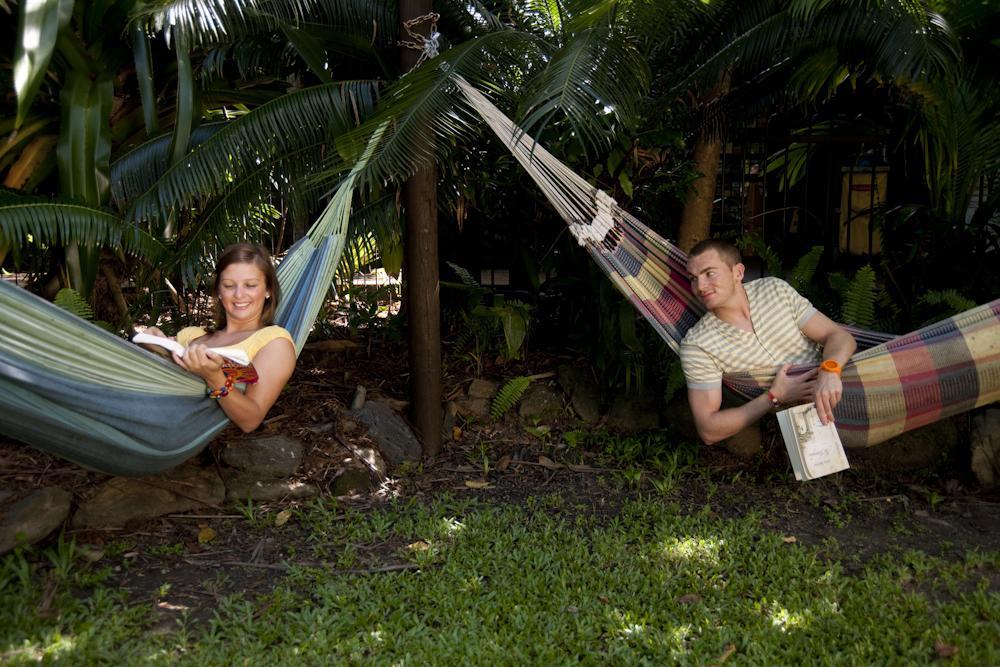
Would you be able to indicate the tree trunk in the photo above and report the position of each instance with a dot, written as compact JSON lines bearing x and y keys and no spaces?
{"x":423,"y":289}
{"x":696,"y":220}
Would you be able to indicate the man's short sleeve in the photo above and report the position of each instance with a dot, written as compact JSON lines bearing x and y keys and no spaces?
{"x":802,"y":309}
{"x":700,"y":369}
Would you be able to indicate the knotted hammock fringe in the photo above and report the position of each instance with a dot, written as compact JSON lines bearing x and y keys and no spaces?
{"x":891,"y":386}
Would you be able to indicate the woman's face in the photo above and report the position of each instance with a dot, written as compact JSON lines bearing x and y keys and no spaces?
{"x":242,"y":291}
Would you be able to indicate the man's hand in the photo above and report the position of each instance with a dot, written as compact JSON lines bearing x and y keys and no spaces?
{"x":829,"y":390}
{"x":793,"y":389}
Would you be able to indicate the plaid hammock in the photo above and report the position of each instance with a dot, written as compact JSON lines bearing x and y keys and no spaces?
{"x":891,"y":386}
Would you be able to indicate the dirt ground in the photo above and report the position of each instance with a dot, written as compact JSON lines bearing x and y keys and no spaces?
{"x":854,"y":517}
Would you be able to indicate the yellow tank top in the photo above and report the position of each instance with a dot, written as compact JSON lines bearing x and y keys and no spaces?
{"x":252,"y":345}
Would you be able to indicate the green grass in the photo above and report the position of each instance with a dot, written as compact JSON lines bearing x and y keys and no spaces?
{"x":542,"y":583}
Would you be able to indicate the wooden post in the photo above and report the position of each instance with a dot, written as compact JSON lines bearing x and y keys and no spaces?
{"x":421,"y":274}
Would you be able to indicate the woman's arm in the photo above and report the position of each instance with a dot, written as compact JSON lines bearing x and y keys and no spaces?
{"x":274,"y":363}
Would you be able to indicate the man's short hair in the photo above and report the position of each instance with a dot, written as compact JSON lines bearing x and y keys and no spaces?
{"x":728,"y":252}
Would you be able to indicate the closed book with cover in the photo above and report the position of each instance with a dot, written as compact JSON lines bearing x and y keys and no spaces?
{"x":813,"y":448}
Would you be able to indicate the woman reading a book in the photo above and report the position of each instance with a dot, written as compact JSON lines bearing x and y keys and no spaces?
{"x":246,"y":298}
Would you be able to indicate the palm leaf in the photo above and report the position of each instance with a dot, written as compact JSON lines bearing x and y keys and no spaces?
{"x":596,"y":81}
{"x":39,"y":24}
{"x":58,"y":223}
{"x":265,"y":135}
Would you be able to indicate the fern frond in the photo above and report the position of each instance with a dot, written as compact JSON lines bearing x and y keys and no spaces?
{"x":859,"y":302}
{"x":70,"y":300}
{"x":801,"y":277}
{"x":464,"y":274}
{"x":508,"y":395}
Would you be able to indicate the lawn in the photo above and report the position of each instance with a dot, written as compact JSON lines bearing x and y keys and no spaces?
{"x":546,"y":580}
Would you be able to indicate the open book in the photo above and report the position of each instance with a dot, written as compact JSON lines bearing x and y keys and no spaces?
{"x":814,"y":448}
{"x":236,"y":363}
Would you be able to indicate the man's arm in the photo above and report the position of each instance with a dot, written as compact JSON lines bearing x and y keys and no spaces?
{"x":715,"y":424}
{"x":838,"y":345}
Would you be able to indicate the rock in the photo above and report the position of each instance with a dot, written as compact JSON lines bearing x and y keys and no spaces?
{"x":482,"y":389}
{"x":633,"y":414}
{"x":915,"y":450}
{"x":541,"y":402}
{"x":391,"y":434}
{"x":359,"y":397}
{"x":746,"y":444}
{"x":268,"y":457}
{"x":473,"y":407}
{"x":448,"y":422}
{"x":352,"y":481}
{"x":371,"y":458}
{"x":985,"y":447}
{"x":32,"y":518}
{"x":122,"y":501}
{"x":583,"y":393}
{"x":242,"y":485}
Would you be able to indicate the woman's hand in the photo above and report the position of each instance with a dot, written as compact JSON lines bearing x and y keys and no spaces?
{"x":829,"y":390}
{"x":203,"y":363}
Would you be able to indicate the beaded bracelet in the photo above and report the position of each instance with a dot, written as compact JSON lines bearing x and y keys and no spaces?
{"x":221,"y":391}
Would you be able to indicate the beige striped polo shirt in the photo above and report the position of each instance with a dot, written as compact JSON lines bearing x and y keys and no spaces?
{"x":713,"y":347}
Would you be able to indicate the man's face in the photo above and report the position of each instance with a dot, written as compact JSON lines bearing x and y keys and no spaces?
{"x":712,"y":280}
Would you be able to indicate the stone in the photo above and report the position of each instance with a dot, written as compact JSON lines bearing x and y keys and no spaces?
{"x":242,"y":485}
{"x":360,"y":394}
{"x":472,"y":407}
{"x":541,"y":403}
{"x":746,"y":444}
{"x":34,"y":517}
{"x":482,"y":389}
{"x":124,"y":501}
{"x":583,"y":392}
{"x":633,"y":414}
{"x":919,"y":449}
{"x":391,"y":434}
{"x":352,"y":481}
{"x":270,"y":457}
{"x":984,"y":440}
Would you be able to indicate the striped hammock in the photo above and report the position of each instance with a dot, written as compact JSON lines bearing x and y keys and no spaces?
{"x":74,"y":390}
{"x":891,"y":386}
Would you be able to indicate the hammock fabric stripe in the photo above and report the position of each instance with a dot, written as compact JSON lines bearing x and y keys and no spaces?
{"x":891,"y":386}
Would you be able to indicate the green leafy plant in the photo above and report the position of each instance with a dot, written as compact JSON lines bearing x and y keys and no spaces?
{"x":858,"y":297}
{"x":508,"y":395}
{"x":483,"y":326}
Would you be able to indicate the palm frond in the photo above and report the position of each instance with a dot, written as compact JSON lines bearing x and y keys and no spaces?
{"x":60,"y":223}
{"x":596,"y":82}
{"x":263,"y":136}
{"x":425,"y":104}
{"x":136,"y":171}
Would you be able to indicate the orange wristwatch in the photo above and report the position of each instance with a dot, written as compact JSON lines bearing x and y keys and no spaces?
{"x":830,"y":366}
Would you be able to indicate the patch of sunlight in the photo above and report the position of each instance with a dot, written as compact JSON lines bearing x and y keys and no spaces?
{"x":680,"y":635}
{"x":451,"y":526}
{"x":473,"y":584}
{"x":786,"y":620}
{"x":59,"y":647}
{"x":376,"y":635}
{"x":693,"y":549}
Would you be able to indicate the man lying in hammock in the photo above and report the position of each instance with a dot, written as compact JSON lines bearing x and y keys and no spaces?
{"x":246,"y":297}
{"x":760,"y":324}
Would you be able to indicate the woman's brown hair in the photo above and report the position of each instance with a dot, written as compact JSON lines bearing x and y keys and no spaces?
{"x":248,"y":253}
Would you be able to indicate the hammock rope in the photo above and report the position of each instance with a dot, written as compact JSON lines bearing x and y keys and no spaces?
{"x":891,"y":386}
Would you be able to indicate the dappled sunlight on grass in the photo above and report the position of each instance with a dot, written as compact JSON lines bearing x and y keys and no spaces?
{"x":701,"y":549}
{"x":509,"y":585}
